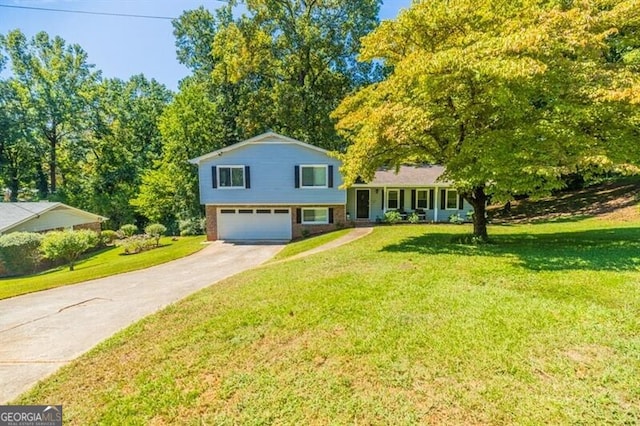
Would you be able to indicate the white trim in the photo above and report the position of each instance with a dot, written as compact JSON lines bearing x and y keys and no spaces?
{"x":230,"y":166}
{"x":356,"y":206}
{"x":426,"y":191}
{"x":446,"y":200}
{"x":257,"y":139}
{"x":388,"y":207}
{"x":326,"y":176}
{"x":303,"y":222}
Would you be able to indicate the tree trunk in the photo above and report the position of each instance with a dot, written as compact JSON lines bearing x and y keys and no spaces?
{"x":52,"y":166}
{"x":478,"y":199}
{"x":43,"y":187}
{"x":14,"y":187}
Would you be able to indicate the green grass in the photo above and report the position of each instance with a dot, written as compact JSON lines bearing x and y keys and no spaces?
{"x":307,"y":244}
{"x":402,"y":326}
{"x":109,"y":261}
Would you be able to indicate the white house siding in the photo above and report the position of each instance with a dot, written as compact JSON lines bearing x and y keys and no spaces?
{"x":53,"y":219}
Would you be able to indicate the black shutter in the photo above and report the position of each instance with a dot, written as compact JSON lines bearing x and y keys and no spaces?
{"x":330,"y":177}
{"x":296,"y":171}
{"x":401,"y":206}
{"x":443,"y":194}
{"x":413,"y":199}
{"x":247,"y":177}
{"x":382,"y":199}
{"x":298,"y":214}
{"x":214,"y":183}
{"x":460,"y":202}
{"x":432,"y":194}
{"x":330,"y":214}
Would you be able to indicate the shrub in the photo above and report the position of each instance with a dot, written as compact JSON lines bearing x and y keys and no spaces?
{"x":108,"y":237}
{"x":191,"y":226}
{"x":392,"y":217}
{"x":137,"y":244}
{"x":19,"y":252}
{"x":155,"y":231}
{"x":456,"y":218}
{"x":68,"y":245}
{"x":414,"y":218}
{"x":128,"y":230}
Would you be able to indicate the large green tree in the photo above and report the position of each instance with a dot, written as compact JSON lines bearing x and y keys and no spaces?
{"x":189,"y":126}
{"x":123,"y":142}
{"x":283,"y":65}
{"x":55,"y":82}
{"x":509,"y":96}
{"x":17,"y":155}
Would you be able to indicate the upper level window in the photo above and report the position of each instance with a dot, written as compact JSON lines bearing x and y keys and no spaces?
{"x":313,"y":176}
{"x":231,"y":176}
{"x":422,"y":198}
{"x":452,"y":200}
{"x":392,"y":199}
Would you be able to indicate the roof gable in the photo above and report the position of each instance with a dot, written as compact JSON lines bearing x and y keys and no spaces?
{"x":265,"y":138}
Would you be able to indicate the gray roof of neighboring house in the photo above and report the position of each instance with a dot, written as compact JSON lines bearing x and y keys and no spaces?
{"x":13,"y":214}
{"x":409,"y":176}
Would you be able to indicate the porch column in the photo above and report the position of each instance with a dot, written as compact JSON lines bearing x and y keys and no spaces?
{"x":435,"y":204}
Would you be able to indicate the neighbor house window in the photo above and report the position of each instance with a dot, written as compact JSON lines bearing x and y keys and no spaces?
{"x":315,"y":216}
{"x":231,"y":176}
{"x":422,"y":199}
{"x":313,"y":176}
{"x":452,"y":200}
{"x":392,"y":199}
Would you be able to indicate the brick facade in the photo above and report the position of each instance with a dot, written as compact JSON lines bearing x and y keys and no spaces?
{"x":93,"y":226}
{"x":297,"y":229}
{"x":211,"y":222}
{"x":339,"y":220}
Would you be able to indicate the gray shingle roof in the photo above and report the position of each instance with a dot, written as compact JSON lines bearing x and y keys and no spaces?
{"x":424,"y":175}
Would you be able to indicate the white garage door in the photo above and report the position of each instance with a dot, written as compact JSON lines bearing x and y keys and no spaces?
{"x":254,"y":224}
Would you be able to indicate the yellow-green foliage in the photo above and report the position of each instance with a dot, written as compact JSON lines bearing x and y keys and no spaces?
{"x":509,"y":96}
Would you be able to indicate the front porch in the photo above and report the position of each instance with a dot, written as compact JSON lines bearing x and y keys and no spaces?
{"x":368,"y":204}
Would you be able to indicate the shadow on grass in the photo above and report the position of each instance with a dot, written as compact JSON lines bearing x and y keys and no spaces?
{"x":614,"y":249}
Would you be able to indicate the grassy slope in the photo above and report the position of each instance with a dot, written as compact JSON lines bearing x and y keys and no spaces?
{"x":399,"y":327}
{"x":298,"y":247}
{"x":104,"y":263}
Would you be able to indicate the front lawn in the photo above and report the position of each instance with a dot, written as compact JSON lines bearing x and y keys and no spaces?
{"x":109,"y":261}
{"x":310,"y":243}
{"x":400,"y":327}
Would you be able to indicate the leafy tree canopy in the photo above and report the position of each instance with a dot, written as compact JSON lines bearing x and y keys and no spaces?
{"x":509,"y":96}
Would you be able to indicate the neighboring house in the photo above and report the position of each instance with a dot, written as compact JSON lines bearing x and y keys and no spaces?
{"x":272,"y":187}
{"x":44,"y":216}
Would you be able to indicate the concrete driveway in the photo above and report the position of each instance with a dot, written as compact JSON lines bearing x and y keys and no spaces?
{"x":40,"y":332}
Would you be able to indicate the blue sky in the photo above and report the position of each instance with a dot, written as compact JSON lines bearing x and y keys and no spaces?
{"x":121,"y":46}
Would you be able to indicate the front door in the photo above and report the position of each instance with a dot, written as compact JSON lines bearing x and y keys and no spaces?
{"x":362,"y":204}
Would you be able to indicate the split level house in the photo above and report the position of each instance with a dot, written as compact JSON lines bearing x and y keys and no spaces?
{"x":272,"y":187}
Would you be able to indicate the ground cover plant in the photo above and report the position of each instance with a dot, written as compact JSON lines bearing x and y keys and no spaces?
{"x":403,"y":326}
{"x":108,"y":261}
